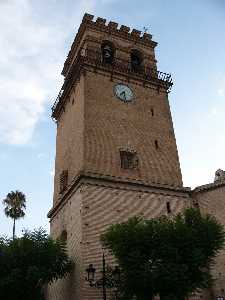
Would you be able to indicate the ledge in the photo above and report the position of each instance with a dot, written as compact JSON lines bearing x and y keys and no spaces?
{"x":102,"y":179}
{"x":92,"y":58}
{"x":209,"y":186}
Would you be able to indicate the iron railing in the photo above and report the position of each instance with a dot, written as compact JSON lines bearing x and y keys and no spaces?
{"x":94,"y":58}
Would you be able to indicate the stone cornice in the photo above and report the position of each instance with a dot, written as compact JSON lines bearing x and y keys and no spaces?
{"x":116,"y":182}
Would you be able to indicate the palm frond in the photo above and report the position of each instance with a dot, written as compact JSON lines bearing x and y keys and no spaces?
{"x":15,"y":203}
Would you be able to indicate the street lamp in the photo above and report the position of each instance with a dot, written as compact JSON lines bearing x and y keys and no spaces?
{"x":90,"y":273}
{"x":103,"y":282}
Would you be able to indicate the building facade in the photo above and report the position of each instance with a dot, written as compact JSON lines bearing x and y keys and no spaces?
{"x":116,"y":153}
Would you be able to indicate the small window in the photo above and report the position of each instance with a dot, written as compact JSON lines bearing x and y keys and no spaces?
{"x":168,"y":208}
{"x":107,"y":53}
{"x":195,"y":204}
{"x":156,"y":145}
{"x":63,"y":180}
{"x":152,"y":112}
{"x":129,"y":160}
{"x":63,"y":236}
{"x":136,"y":61}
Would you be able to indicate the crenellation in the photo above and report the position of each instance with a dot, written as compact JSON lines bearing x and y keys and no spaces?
{"x":147,"y":37}
{"x":100,"y":21}
{"x":124,"y":29}
{"x":87,"y":17}
{"x":136,"y":33}
{"x":99,"y":24}
{"x":113,"y":25}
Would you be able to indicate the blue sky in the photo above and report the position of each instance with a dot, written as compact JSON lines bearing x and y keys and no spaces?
{"x":35,"y":37}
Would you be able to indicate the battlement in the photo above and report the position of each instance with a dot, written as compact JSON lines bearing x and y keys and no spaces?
{"x":111,"y":27}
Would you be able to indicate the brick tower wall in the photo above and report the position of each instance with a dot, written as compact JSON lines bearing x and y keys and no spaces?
{"x":70,"y":138}
{"x":84,"y":218}
{"x":68,"y":219}
{"x":92,"y":127}
{"x":111,"y":125}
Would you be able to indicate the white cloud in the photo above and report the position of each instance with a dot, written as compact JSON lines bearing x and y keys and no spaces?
{"x":24,"y":46}
{"x":31,"y":58}
{"x":221,"y":92}
{"x":214,"y":111}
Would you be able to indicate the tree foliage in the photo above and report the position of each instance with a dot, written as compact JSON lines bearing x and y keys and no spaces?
{"x":166,"y":256}
{"x":15,"y":203}
{"x":30,"y":262}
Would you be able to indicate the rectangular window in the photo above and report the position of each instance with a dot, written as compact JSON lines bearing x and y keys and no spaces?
{"x":129,"y":159}
{"x":168,"y":207}
{"x":63,"y":180}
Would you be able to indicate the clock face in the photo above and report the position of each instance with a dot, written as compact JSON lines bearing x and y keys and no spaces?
{"x":124,"y":92}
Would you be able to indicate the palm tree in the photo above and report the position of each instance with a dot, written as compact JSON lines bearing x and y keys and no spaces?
{"x":15,"y":203}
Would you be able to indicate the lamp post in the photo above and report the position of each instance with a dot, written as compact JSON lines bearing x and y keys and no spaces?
{"x":103,"y":282}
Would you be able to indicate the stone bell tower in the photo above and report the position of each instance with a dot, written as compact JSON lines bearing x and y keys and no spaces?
{"x":116,"y":153}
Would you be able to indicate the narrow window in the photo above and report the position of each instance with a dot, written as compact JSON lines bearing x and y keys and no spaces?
{"x":156,"y":145}
{"x":168,"y":207}
{"x":63,"y":180}
{"x":152,"y":112}
{"x":107,"y":53}
{"x":63,"y":236}
{"x":129,"y":160}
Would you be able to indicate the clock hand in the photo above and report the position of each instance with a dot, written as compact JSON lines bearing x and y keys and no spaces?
{"x":123,"y":95}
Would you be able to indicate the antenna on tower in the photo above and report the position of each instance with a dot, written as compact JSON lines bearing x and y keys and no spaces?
{"x":145,"y":29}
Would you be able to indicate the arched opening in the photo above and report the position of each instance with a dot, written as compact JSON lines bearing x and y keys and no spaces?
{"x":136,"y":61}
{"x":108,"y":51}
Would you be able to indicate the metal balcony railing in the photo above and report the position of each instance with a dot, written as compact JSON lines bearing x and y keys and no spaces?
{"x":94,"y":58}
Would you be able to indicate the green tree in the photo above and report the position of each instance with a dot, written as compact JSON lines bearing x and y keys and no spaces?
{"x":28,"y":263}
{"x":167,"y":256}
{"x":15,"y":203}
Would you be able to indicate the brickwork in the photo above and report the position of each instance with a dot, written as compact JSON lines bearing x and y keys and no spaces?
{"x":91,"y":133}
{"x":93,"y":127}
{"x":86,"y":215}
{"x":70,"y":138}
{"x":211,"y":199}
{"x":111,"y":125}
{"x":122,"y":34}
{"x":68,"y":218}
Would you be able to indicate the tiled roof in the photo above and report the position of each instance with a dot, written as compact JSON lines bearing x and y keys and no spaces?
{"x":209,"y":186}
